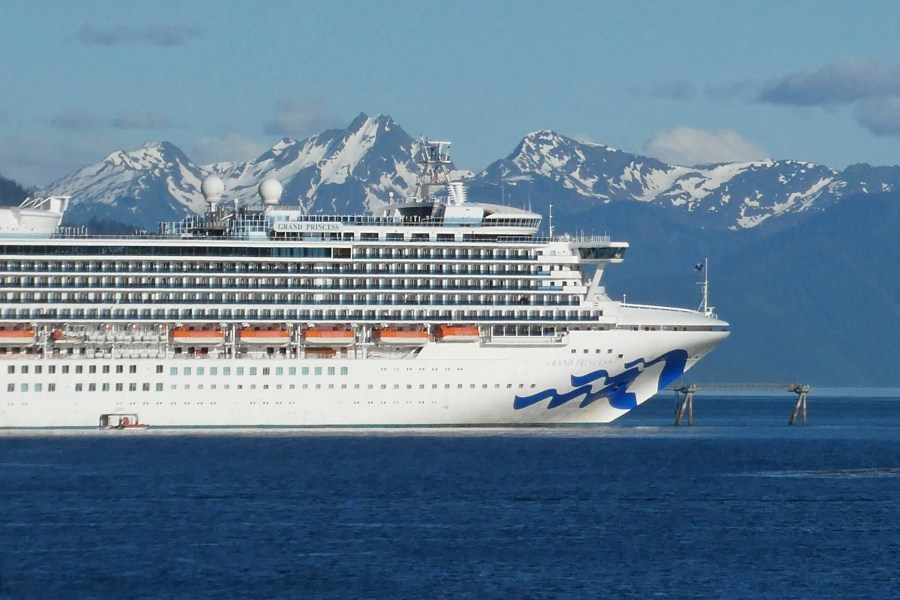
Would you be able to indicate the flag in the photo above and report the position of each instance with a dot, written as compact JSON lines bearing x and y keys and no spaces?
{"x":698,"y":266}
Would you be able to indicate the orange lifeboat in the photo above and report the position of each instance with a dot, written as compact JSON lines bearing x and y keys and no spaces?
{"x":457,"y":333}
{"x":261,"y":336}
{"x":400,"y":337}
{"x":61,"y":338}
{"x":336,"y":336}
{"x":16,"y":337}
{"x":197,"y":337}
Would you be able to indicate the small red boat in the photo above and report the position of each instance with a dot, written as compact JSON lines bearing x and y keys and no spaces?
{"x":20,"y":336}
{"x":457,"y":333}
{"x":338,"y":336}
{"x":197,"y":337}
{"x":261,"y":336}
{"x":400,"y":337}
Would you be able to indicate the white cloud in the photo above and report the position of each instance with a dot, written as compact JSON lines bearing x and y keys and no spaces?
{"x":142,"y":120}
{"x":841,"y":82}
{"x":299,"y":117}
{"x":36,"y":160}
{"x":231,"y":147}
{"x":154,"y":35}
{"x":881,"y":116}
{"x":76,"y":120}
{"x":688,"y":146}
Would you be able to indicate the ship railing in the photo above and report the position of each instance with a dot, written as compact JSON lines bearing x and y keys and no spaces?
{"x":665,"y":308}
{"x":238,"y":231}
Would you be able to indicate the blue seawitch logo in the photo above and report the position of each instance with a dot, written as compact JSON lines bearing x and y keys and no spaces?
{"x":614,"y":389}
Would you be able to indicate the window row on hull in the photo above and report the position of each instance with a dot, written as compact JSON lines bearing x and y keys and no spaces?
{"x":369,"y":267}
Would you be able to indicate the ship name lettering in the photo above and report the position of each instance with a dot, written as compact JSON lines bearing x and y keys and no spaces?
{"x":573,"y":362}
{"x":301,"y":226}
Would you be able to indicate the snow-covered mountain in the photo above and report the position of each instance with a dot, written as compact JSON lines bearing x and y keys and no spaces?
{"x":733,"y":195}
{"x":141,"y":187}
{"x":355,"y":169}
{"x":349,"y":170}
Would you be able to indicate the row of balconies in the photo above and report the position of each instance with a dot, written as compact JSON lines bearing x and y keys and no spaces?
{"x":324,"y":268}
{"x":275,"y":299}
{"x":289,"y":315}
{"x":115,"y":264}
{"x":420,"y":285}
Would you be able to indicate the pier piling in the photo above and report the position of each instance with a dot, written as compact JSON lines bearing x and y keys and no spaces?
{"x":802,"y":392}
{"x":684,"y":398}
{"x":685,"y":404}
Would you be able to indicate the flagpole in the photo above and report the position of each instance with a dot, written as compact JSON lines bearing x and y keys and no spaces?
{"x":706,"y":286}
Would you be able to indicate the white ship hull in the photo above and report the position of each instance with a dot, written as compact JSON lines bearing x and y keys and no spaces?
{"x":445,"y":385}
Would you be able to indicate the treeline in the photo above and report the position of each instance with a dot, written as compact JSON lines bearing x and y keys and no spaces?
{"x":11,"y":193}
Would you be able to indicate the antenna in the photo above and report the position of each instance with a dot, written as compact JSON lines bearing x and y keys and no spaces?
{"x":705,"y":308}
{"x":551,"y":220}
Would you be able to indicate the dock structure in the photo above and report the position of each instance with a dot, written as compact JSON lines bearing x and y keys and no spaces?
{"x":685,"y":403}
{"x":802,"y":392}
{"x":684,"y":397}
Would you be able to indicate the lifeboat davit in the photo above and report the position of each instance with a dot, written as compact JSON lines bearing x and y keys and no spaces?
{"x":400,"y":337}
{"x":264,"y":337}
{"x":197,"y":337}
{"x":338,"y":336}
{"x":16,"y":337}
{"x":457,"y":333}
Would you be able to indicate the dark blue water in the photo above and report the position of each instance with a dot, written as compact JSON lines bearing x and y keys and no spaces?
{"x":740,"y":505}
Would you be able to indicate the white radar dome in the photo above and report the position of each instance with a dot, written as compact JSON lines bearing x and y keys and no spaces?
{"x":270,"y":191}
{"x":212,"y":188}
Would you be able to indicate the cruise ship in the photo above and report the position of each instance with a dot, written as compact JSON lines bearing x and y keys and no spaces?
{"x":437,"y":311}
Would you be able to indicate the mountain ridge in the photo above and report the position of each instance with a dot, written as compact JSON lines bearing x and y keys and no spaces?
{"x":357,"y":169}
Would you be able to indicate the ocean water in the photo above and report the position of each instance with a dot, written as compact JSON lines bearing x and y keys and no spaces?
{"x":738,"y":506}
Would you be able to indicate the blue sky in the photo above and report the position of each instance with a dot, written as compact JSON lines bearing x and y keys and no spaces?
{"x":687,"y":82}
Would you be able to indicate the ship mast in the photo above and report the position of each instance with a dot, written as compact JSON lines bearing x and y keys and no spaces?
{"x":705,"y":308}
{"x":434,"y":161}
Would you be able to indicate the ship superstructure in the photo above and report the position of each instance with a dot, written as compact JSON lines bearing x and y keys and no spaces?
{"x":436,"y":311}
